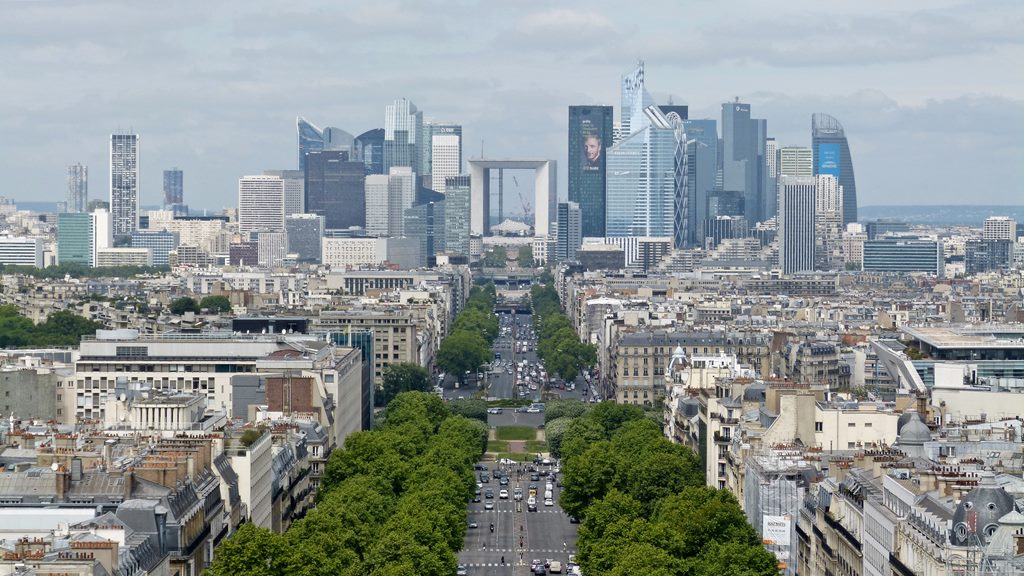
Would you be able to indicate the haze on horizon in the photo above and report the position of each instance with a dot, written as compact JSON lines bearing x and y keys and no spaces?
{"x":926,"y":89}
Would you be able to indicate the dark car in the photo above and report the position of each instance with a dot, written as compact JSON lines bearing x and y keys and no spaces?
{"x":540,"y":570}
{"x":489,"y":493}
{"x":574,"y":520}
{"x":535,"y":477}
{"x":503,"y":481}
{"x":485,"y":478}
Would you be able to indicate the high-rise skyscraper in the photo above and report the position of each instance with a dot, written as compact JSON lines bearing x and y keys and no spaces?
{"x":370,"y":147}
{"x":260,"y":204}
{"x":124,"y":184}
{"x":294,"y":189}
{"x":313,"y":139}
{"x":442,"y":152}
{"x":569,"y":236}
{"x":387,"y":199}
{"x":403,"y":136}
{"x":744,"y":146}
{"x":796,"y":223}
{"x":634,"y":101}
{"x":702,"y":166}
{"x":832,"y":156}
{"x":78,"y":188}
{"x":828,"y":222}
{"x":590,"y":135}
{"x":456,"y":215}
{"x":334,"y":189}
{"x":174,"y":188}
{"x":643,"y":178}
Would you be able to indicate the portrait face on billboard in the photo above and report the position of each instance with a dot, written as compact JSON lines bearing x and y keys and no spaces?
{"x":592,"y":150}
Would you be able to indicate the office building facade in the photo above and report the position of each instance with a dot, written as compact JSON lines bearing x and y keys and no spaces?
{"x":744,"y":167}
{"x":881,"y":227}
{"x":78,"y":188}
{"x":174,"y":188}
{"x":988,"y":255}
{"x":334,"y":189}
{"x":424,"y":224}
{"x":832,"y":156}
{"x":796,"y":223}
{"x":456,"y":219}
{"x":569,"y":235}
{"x":124,"y":183}
{"x":21,"y":251}
{"x":590,"y":135}
{"x":796,"y":161}
{"x":403,"y":136}
{"x":305,"y":231}
{"x":999,"y":228}
{"x":313,"y":139}
{"x":442,"y":152}
{"x":369,"y":146}
{"x":260,"y":204}
{"x":294,"y":189}
{"x":75,"y":242}
{"x":271,"y":249}
{"x":904,"y":255}
{"x":643,"y":183}
{"x":159,"y":242}
{"x":701,"y":168}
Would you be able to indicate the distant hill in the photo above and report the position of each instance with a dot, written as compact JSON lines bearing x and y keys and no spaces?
{"x":953,"y":214}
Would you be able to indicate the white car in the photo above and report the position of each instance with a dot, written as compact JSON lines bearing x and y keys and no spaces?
{"x":549,"y":502}
{"x":503,"y":494}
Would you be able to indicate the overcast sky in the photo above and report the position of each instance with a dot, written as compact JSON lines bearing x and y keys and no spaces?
{"x":930,"y":92}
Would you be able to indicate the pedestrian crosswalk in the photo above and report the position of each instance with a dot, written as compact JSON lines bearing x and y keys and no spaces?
{"x":529,"y":550}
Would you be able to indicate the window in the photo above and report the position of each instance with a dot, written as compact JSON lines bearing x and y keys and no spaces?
{"x":867,"y":424}
{"x":819,"y":426}
{"x":851,"y":425}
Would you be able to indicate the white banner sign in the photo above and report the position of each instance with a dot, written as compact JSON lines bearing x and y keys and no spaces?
{"x":775,"y":530}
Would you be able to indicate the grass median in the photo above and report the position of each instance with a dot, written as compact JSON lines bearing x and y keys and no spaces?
{"x":516,"y":433}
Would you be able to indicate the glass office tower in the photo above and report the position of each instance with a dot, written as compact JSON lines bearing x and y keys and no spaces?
{"x":832,"y":156}
{"x":590,"y":135}
{"x":334,"y":189}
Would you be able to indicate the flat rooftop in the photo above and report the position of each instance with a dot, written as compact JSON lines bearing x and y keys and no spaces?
{"x":980,"y":336}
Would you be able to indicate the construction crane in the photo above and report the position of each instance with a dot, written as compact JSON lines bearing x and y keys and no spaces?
{"x":527,"y":208}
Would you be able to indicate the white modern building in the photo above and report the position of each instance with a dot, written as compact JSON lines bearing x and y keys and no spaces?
{"x":272,"y":247}
{"x":1000,"y":228}
{"x":350,"y":252}
{"x":21,"y":251}
{"x":387,"y":199}
{"x":795,"y":161}
{"x":260,"y":204}
{"x":124,"y":257}
{"x":124,"y":183}
{"x":445,"y":155}
{"x":545,"y":192}
{"x":294,"y":189}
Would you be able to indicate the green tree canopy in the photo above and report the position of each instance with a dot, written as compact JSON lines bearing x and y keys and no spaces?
{"x":463,"y":351}
{"x":215,"y":303}
{"x":184,"y":304}
{"x":402,"y":377}
{"x":470,"y":408}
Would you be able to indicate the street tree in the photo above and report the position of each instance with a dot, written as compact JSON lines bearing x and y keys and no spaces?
{"x":463,"y":351}
{"x":402,"y":377}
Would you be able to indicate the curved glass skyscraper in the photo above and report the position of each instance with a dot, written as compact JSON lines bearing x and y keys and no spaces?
{"x":832,"y":156}
{"x":311,"y":139}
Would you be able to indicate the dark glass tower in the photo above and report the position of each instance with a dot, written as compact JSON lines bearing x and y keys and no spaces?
{"x":174,"y":187}
{"x":744,"y":143}
{"x":832,"y":156}
{"x":370,"y":147}
{"x":335,"y":189}
{"x":590,"y":135}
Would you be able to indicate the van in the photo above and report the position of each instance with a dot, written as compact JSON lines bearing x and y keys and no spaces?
{"x":547,"y":495}
{"x":555,"y":567}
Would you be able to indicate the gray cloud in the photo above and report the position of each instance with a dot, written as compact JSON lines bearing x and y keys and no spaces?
{"x":214,"y":87}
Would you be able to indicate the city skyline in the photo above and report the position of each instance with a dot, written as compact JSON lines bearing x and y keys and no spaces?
{"x":891,"y":91}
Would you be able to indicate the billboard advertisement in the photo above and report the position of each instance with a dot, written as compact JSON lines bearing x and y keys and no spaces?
{"x":828,"y":159}
{"x":775,"y":530}
{"x":592,"y":145}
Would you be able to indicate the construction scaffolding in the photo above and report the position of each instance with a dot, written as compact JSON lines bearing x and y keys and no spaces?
{"x":774,"y":486}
